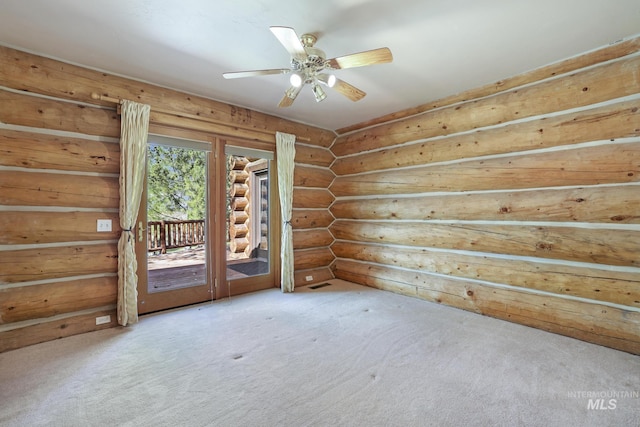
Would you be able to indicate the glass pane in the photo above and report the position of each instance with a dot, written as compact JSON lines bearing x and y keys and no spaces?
{"x":247,"y":216}
{"x":176,"y":213}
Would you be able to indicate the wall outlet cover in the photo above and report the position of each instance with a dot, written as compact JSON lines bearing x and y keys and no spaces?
{"x":104,"y":225}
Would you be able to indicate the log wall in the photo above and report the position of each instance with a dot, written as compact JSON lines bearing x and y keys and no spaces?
{"x":311,"y":217}
{"x":59,"y":166}
{"x":519,"y":200}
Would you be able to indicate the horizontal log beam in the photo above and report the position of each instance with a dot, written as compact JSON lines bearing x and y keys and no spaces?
{"x":239,"y":203}
{"x":306,"y":259}
{"x":216,"y":128}
{"x":48,"y":189}
{"x":317,"y":237}
{"x":591,"y":283}
{"x":41,"y":151}
{"x":26,"y":110}
{"x":51,"y":330}
{"x":607,"y":53}
{"x":604,"y":164}
{"x":603,"y":83}
{"x":601,"y":246}
{"x":603,"y":123}
{"x":317,"y":274}
{"x":614,"y":205}
{"x":238,"y":230}
{"x":51,"y":227}
{"x":238,"y":217}
{"x":304,"y":176}
{"x":238,"y":176}
{"x":32,"y":73}
{"x":316,"y":156}
{"x":591,"y":322}
{"x":56,"y":262}
{"x":51,"y":299}
{"x":238,"y":190}
{"x":309,"y":198}
{"x":311,"y":218}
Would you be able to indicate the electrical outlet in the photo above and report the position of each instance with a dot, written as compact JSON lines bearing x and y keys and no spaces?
{"x":308,"y":278}
{"x":104,"y":225}
{"x":103,"y":319}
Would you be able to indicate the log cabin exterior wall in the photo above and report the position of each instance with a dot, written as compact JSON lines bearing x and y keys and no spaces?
{"x":519,"y":200}
{"x":59,"y":166}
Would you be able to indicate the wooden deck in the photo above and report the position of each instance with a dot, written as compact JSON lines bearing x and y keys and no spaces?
{"x":177,"y":277}
{"x":167,"y":276}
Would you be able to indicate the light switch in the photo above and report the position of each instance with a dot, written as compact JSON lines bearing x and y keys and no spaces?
{"x":104,"y":225}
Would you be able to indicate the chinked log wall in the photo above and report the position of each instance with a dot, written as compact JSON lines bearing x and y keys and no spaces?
{"x":59,"y":165}
{"x":519,"y":200}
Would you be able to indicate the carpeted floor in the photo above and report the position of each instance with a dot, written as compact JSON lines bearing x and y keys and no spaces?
{"x":340,"y":355}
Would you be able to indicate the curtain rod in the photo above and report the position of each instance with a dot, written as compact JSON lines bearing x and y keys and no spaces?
{"x":97,"y":96}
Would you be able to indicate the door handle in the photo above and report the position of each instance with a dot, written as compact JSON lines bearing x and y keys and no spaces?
{"x":141,"y":230}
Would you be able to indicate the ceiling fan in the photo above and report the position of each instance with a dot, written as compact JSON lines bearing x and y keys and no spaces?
{"x":308,"y":64}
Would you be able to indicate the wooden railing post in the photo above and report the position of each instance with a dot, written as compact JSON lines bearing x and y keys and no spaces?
{"x":163,"y":238}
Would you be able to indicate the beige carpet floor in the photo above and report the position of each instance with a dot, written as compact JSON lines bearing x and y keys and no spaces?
{"x":340,"y":355}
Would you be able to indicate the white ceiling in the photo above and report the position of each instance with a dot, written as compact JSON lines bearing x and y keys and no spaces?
{"x":440,"y":47}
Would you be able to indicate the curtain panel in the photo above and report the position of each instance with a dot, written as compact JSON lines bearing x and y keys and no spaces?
{"x":286,"y":153}
{"x":133,"y":147}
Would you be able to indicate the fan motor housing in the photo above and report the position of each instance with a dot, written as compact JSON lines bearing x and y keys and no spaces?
{"x":315,"y":61}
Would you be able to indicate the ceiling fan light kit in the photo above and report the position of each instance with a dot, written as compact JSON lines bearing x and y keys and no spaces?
{"x":308,"y":63}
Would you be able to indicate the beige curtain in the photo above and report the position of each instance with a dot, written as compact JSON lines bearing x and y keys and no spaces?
{"x":133,"y":147}
{"x":286,"y":153}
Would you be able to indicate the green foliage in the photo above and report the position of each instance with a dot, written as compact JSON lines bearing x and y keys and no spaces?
{"x":176,"y":183}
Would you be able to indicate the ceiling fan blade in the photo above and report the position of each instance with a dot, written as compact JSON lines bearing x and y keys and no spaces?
{"x":290,"y":40}
{"x":369,"y":57}
{"x":290,"y":96}
{"x":240,"y":74}
{"x":351,"y":92}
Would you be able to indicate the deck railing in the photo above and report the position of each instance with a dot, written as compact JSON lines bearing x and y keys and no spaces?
{"x":163,"y":235}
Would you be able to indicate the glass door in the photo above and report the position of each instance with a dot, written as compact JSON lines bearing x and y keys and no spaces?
{"x":174,"y":237}
{"x":251,"y":220}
